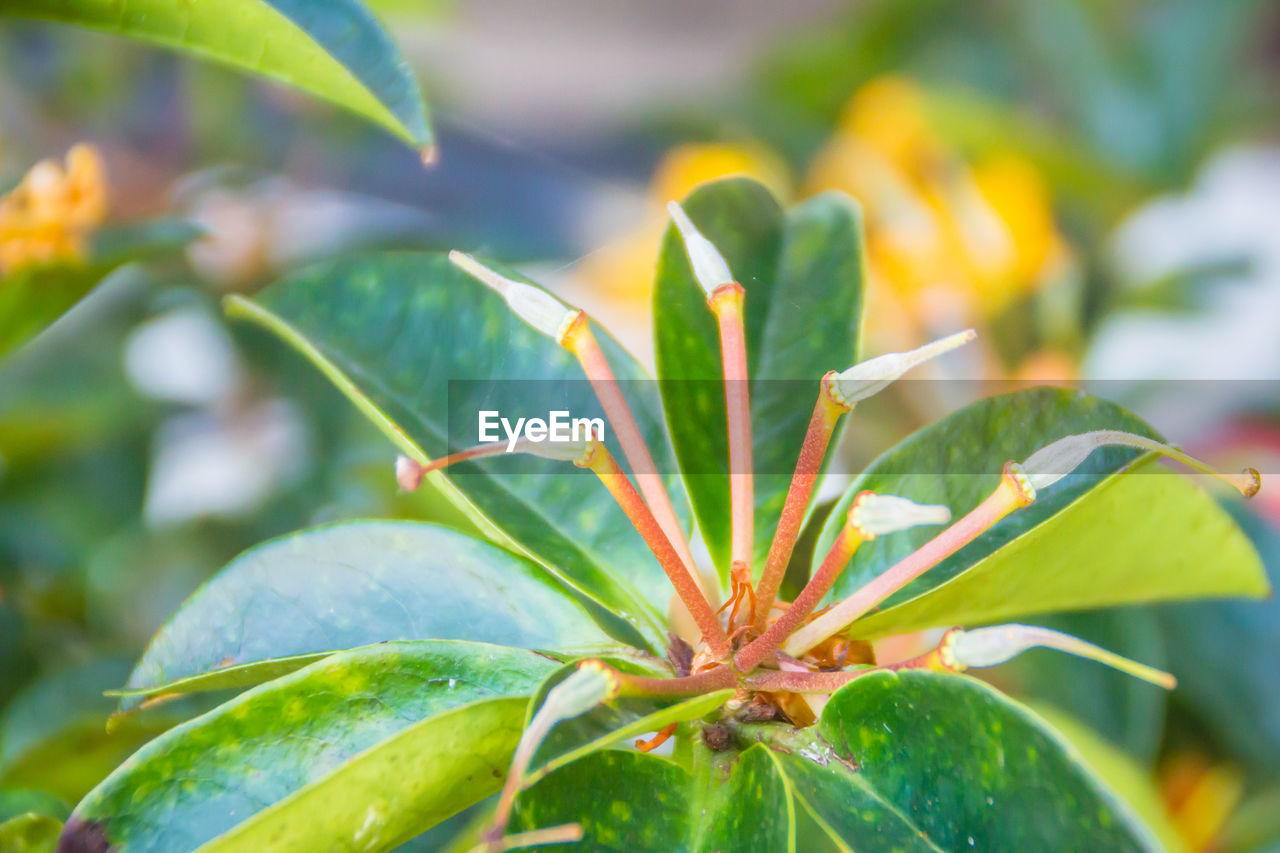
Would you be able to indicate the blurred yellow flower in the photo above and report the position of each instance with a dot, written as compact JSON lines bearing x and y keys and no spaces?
{"x":624,"y":268}
{"x":51,"y":212}
{"x":940,"y":230}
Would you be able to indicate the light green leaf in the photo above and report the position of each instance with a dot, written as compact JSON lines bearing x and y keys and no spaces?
{"x":802,"y":271}
{"x":285,"y":603}
{"x":30,"y":833}
{"x":1120,"y":530}
{"x":334,"y":50}
{"x":366,"y":749}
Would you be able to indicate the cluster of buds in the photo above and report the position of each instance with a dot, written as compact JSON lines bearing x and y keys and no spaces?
{"x":774,"y":650}
{"x":50,"y":213}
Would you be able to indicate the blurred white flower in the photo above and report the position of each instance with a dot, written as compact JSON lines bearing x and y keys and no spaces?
{"x":184,"y":356}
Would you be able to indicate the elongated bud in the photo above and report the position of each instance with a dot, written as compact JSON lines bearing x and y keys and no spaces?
{"x":875,"y":515}
{"x":984,"y":647}
{"x":709,"y":266}
{"x":409,"y":473}
{"x":873,"y":375}
{"x":532,"y":304}
{"x":1054,"y":461}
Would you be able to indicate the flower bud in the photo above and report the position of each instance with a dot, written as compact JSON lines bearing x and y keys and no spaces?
{"x":709,"y":266}
{"x":984,"y":647}
{"x":873,"y":375}
{"x":409,"y":473}
{"x":532,"y":304}
{"x":875,"y":515}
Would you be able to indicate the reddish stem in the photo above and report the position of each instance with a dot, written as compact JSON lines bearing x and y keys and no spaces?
{"x":601,"y":461}
{"x":774,"y":681}
{"x":826,"y":414}
{"x":823,"y":579}
{"x":717,"y":678}
{"x":726,"y":302}
{"x":582,"y":343}
{"x":1011,"y":494}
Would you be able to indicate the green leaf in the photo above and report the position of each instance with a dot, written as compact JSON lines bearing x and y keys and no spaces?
{"x":802,"y":271}
{"x":285,"y":603}
{"x":421,"y":348}
{"x":366,"y":748}
{"x":1223,"y":654}
{"x":53,"y":734}
{"x":35,"y":296}
{"x":916,"y":762}
{"x":334,"y":50}
{"x":19,"y":801}
{"x":1131,"y":781}
{"x":1127,"y":711}
{"x":1118,"y":531}
{"x":969,"y":768}
{"x":30,"y":833}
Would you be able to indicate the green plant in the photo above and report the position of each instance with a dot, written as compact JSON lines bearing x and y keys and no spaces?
{"x":398,"y":672}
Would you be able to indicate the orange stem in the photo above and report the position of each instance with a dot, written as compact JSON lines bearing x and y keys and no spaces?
{"x":601,"y":462}
{"x":1011,"y":494}
{"x":664,"y":734}
{"x":826,"y":414}
{"x":582,"y":343}
{"x":774,"y":681}
{"x":726,"y":302}
{"x":717,"y":678}
{"x":833,"y":564}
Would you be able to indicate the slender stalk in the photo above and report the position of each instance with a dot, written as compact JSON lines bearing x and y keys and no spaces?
{"x":826,"y":414}
{"x":565,"y":833}
{"x":601,"y":462}
{"x":717,"y":678}
{"x":726,"y":301}
{"x":579,"y":340}
{"x":833,"y":564}
{"x":774,"y":681}
{"x":1012,"y":493}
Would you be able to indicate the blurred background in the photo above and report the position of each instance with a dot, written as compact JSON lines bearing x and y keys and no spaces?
{"x":1094,"y":185}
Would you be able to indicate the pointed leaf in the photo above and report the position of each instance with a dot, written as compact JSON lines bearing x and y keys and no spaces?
{"x":282,"y":604}
{"x":1119,"y":530}
{"x":334,"y":50}
{"x":802,"y":271}
{"x":421,"y":348}
{"x":365,"y":748}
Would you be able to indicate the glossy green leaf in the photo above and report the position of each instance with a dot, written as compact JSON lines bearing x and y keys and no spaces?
{"x":970,"y":769}
{"x":33,"y":297}
{"x":802,"y":271}
{"x":363,"y":749}
{"x":915,"y":762}
{"x":1118,"y":531}
{"x":1131,"y":781}
{"x":421,"y":348}
{"x":334,"y":50}
{"x":281,"y":605}
{"x":30,"y":833}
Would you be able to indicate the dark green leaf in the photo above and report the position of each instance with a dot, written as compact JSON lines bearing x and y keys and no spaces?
{"x":1118,"y":531}
{"x":20,"y":801}
{"x":970,"y":769}
{"x":802,"y":272}
{"x":282,"y":604}
{"x":421,"y":348}
{"x":335,"y":50}
{"x":365,"y":748}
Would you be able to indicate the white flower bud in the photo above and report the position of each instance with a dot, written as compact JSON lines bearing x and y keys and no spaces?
{"x":709,"y":266}
{"x":876,"y":515}
{"x":532,"y":304}
{"x":873,"y":375}
{"x":984,"y":647}
{"x":409,"y":473}
{"x":1054,"y":461}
